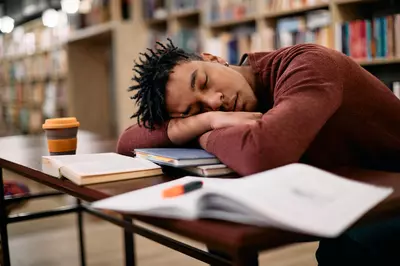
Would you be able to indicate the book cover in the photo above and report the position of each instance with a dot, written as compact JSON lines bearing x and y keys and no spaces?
{"x":84,"y":169}
{"x":178,"y":153}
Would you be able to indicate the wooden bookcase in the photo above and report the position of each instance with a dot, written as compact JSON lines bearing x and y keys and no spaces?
{"x":33,"y":77}
{"x":100,"y":57}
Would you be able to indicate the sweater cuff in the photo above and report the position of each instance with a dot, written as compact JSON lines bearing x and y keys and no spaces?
{"x":210,"y":145}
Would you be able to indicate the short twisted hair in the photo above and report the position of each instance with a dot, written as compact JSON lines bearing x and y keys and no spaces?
{"x":152,"y":73}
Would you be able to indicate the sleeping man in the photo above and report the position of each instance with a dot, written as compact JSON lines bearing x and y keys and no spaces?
{"x":304,"y":103}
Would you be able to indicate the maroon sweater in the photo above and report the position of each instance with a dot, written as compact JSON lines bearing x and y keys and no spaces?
{"x":320,"y":108}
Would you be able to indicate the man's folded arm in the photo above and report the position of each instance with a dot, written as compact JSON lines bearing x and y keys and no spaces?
{"x":135,"y":137}
{"x":172,"y":133}
{"x":307,"y":95}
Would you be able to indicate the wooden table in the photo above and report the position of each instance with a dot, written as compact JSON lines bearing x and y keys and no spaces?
{"x":22,"y":154}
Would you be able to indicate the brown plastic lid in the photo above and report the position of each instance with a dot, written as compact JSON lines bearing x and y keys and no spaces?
{"x":57,"y":123}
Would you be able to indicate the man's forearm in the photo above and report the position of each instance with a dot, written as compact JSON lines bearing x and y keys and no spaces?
{"x":183,"y":130}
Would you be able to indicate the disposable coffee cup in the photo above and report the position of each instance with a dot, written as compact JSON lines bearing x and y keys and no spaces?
{"x":61,"y":134}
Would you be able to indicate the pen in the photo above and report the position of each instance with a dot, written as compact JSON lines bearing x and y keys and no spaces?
{"x":182,"y":189}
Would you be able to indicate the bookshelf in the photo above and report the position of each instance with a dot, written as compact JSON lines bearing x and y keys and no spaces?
{"x":33,"y":77}
{"x":94,"y":49}
{"x":230,"y":28}
{"x":103,"y":43}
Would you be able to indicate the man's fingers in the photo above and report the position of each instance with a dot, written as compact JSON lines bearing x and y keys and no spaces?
{"x":251,"y":122}
{"x":255,"y":115}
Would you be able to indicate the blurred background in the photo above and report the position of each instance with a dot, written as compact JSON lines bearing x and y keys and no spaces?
{"x":75,"y":58}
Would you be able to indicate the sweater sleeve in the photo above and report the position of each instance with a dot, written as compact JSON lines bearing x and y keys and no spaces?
{"x":136,"y":136}
{"x":306,"y":95}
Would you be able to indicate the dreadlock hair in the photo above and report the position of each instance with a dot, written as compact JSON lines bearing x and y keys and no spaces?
{"x":152,"y":75}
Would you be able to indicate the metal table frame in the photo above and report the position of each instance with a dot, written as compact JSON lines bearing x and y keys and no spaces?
{"x":79,"y":208}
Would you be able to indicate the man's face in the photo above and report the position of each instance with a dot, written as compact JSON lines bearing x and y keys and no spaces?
{"x":201,"y":86}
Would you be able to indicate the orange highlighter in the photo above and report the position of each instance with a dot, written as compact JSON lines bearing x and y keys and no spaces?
{"x":182,"y":189}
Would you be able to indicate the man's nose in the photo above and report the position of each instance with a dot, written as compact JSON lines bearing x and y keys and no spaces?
{"x":214,"y":101}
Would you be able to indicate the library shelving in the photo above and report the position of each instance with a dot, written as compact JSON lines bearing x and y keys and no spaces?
{"x":33,"y":77}
{"x":102,"y":44}
{"x":229,"y":28}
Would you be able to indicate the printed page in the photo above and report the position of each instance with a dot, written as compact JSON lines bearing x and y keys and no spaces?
{"x":150,"y":201}
{"x":304,"y":198}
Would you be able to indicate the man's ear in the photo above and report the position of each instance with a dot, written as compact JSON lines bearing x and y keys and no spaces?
{"x":212,"y":58}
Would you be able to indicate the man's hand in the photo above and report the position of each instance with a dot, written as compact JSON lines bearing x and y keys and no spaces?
{"x":183,"y":130}
{"x":219,"y":119}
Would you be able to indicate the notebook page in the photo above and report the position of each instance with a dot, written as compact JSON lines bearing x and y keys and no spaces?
{"x":305,"y":199}
{"x":150,"y":201}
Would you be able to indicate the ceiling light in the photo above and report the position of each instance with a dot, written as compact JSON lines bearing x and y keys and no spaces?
{"x":50,"y":18}
{"x":70,"y":6}
{"x":7,"y":24}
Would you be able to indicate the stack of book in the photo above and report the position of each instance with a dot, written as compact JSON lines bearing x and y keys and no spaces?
{"x":85,"y":169}
{"x":366,"y":39}
{"x":195,"y":161}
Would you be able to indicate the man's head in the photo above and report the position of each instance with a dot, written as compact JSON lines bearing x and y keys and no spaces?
{"x":172,"y":83}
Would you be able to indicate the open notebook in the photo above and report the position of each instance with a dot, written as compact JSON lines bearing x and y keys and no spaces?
{"x":85,"y":169}
{"x":295,"y":197}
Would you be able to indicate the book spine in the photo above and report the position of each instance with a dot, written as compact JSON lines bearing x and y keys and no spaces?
{"x":368,"y":41}
{"x":397,"y":34}
{"x":396,"y":88}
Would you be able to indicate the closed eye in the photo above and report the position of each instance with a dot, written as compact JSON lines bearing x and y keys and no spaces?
{"x":205,"y":83}
{"x":187,"y":112}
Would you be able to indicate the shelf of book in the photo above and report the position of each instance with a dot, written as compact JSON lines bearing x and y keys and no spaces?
{"x":229,"y":23}
{"x":379,"y":61}
{"x":33,"y":74}
{"x":185,"y":13}
{"x":343,"y":2}
{"x":94,"y":32}
{"x":231,"y":27}
{"x":293,"y":11}
{"x":156,"y":21}
{"x":200,"y":25}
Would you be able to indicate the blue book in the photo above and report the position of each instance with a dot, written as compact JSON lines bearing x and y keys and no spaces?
{"x":383,"y":36}
{"x":178,"y":157}
{"x":378,"y":43}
